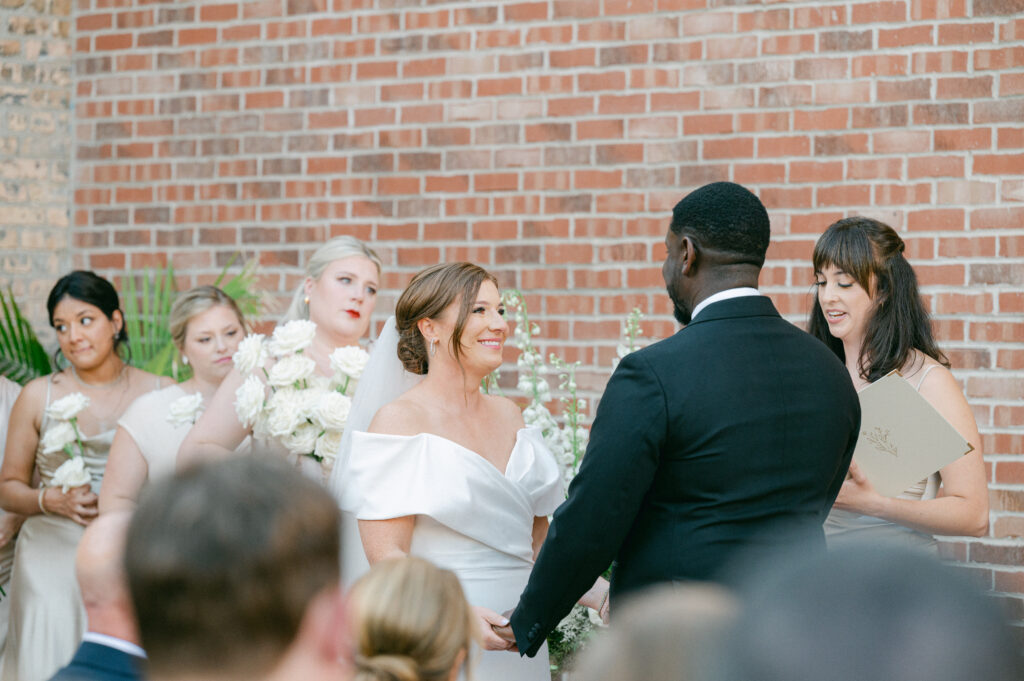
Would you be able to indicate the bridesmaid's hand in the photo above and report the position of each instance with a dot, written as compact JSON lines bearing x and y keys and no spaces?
{"x":78,"y":504}
{"x":858,"y":494}
{"x":488,"y":620}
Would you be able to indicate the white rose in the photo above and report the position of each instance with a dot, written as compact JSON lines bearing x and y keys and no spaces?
{"x":332,"y":411}
{"x":289,"y":370}
{"x":318,"y":382}
{"x":57,"y":436}
{"x":284,"y":412}
{"x":295,"y":336}
{"x":251,"y":353}
{"x":70,"y":474}
{"x":302,"y":440}
{"x":249,"y":400}
{"x":349,"y":361}
{"x":185,"y":410}
{"x":327,"y":446}
{"x":259,"y":427}
{"x":67,"y":407}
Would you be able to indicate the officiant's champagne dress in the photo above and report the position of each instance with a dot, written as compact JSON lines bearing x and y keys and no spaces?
{"x":47,"y":618}
{"x":470,"y":518}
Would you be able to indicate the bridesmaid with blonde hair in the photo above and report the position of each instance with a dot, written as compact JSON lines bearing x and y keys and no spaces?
{"x":338,"y":295}
{"x":206,"y":327}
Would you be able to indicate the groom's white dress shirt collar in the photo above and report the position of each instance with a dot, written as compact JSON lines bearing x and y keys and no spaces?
{"x":113,"y":642}
{"x":724,"y":295}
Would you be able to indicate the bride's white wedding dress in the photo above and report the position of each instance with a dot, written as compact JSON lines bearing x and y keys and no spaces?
{"x":470,"y":517}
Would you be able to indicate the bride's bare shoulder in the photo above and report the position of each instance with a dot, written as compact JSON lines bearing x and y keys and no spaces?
{"x":507,"y":410}
{"x":404,"y":416}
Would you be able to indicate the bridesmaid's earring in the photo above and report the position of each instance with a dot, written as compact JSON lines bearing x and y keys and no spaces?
{"x":306,"y":300}
{"x":433,"y":347}
{"x":184,"y":360}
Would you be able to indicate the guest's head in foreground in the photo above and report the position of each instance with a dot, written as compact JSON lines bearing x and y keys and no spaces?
{"x":861,"y":613}
{"x":85,"y":311}
{"x":868,"y":307}
{"x":669,"y":633}
{"x":717,"y":240}
{"x":451,"y":315}
{"x":234,"y":572}
{"x":339,"y":291}
{"x":410,"y":622}
{"x":206,"y":327}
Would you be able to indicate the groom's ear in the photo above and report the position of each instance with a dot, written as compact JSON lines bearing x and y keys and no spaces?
{"x":688,"y":256}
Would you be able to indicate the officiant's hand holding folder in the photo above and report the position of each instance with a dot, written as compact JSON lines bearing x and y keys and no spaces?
{"x":903,"y":438}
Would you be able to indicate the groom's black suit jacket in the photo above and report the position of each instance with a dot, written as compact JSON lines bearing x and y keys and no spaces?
{"x":735,"y":433}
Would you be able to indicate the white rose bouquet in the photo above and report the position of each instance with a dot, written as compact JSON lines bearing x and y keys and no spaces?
{"x":305,"y":412}
{"x":63,"y":435}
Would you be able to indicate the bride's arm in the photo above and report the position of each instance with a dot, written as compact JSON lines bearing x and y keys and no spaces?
{"x":384,"y":539}
{"x":217,"y":432}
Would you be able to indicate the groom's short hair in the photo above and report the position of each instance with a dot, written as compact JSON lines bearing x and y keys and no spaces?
{"x":223,"y":560}
{"x":725,"y":217}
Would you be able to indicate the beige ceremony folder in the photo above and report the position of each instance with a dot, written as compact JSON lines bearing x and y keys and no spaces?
{"x":903,"y":438}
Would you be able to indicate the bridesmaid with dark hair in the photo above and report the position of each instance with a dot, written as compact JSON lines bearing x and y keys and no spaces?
{"x":47,"y":618}
{"x":869,"y":311}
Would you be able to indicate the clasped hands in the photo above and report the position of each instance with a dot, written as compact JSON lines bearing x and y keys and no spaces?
{"x":497,"y":631}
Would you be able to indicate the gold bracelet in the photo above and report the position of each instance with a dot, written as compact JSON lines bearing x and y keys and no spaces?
{"x":42,"y":491}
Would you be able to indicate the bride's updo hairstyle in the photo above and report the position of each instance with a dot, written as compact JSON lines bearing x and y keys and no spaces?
{"x":871,"y":253}
{"x":428,"y":295}
{"x":411,"y":622}
{"x":338,"y":248}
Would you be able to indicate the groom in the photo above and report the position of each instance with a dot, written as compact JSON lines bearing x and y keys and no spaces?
{"x":733,"y":434}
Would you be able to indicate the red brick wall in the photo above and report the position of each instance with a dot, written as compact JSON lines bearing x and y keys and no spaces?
{"x":549,"y":140}
{"x":35,"y":149}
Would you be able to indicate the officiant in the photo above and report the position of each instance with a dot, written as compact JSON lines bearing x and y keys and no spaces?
{"x":869,"y":312}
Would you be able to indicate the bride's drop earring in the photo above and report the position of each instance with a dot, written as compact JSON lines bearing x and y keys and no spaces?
{"x":433,"y":347}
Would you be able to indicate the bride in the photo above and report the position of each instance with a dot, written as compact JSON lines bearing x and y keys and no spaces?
{"x":445,"y":472}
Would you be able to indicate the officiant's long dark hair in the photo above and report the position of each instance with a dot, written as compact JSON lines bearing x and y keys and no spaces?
{"x":871,"y":252}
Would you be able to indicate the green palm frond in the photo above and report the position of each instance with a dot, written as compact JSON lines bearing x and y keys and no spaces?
{"x":146,"y":318}
{"x":22,"y":356}
{"x":243,"y":289}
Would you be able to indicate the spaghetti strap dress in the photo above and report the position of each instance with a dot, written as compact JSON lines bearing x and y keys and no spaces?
{"x":845,"y":527}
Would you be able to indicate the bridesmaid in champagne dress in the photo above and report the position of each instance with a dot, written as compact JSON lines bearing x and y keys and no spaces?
{"x":448,"y":473}
{"x":47,"y":618}
{"x":206,"y":327}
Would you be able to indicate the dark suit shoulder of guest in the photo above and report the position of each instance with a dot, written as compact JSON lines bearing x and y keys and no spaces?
{"x":734,"y":433}
{"x":97,"y":662}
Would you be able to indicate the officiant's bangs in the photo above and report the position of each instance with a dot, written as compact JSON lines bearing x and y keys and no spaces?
{"x":847,"y":247}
